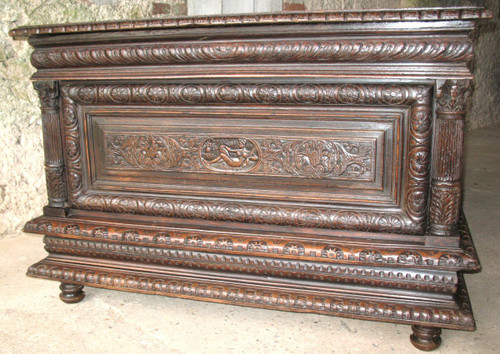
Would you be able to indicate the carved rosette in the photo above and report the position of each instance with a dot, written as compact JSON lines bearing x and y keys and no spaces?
{"x":304,"y":94}
{"x":48,"y":92}
{"x":416,"y":97}
{"x":446,"y":189}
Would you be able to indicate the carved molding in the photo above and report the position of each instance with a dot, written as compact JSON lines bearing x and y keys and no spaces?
{"x":291,"y":299}
{"x":261,"y":19}
{"x":72,"y":148}
{"x":272,"y":51}
{"x":281,"y":247}
{"x":277,"y":156}
{"x":411,"y":221}
{"x":188,"y":94}
{"x":330,"y":272}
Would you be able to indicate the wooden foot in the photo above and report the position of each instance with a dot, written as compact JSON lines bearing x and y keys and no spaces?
{"x":425,"y":338}
{"x":71,"y":293}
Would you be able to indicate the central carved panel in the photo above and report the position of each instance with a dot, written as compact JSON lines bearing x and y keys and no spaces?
{"x":280,"y":156}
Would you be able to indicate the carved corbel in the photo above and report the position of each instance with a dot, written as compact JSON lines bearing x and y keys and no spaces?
{"x":447,"y":162}
{"x":48,"y":91}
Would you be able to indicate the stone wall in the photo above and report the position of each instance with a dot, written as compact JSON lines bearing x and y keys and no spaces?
{"x":22,"y":185}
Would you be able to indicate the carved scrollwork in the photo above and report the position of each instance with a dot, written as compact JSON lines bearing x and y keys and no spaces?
{"x":151,"y":152}
{"x":310,"y":158}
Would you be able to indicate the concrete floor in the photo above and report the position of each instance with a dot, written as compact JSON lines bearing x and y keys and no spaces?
{"x":34,"y":320}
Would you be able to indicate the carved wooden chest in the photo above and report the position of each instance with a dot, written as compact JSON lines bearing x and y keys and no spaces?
{"x":307,"y":162}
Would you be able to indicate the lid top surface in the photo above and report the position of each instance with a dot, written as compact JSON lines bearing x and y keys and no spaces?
{"x":277,"y":18}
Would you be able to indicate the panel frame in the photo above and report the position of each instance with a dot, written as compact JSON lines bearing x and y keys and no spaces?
{"x":412,"y":220}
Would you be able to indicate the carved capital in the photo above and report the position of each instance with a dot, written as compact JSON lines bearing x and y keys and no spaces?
{"x":48,"y":92}
{"x":452,"y":96}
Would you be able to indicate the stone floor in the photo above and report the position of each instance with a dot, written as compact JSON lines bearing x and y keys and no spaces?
{"x":33,"y":320}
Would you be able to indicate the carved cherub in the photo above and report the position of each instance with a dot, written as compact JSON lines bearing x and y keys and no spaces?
{"x":235,"y":157}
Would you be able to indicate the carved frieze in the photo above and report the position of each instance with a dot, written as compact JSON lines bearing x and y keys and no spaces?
{"x":195,"y":94}
{"x":279,"y":246}
{"x":276,"y":51}
{"x":331,"y":272}
{"x":277,"y":156}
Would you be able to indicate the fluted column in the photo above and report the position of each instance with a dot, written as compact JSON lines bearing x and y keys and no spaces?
{"x":447,"y":161}
{"x":48,"y":91}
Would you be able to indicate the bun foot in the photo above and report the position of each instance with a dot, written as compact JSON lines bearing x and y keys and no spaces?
{"x":71,"y":293}
{"x":425,"y":338}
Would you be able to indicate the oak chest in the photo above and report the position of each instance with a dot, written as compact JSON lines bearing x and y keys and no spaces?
{"x":307,"y":162}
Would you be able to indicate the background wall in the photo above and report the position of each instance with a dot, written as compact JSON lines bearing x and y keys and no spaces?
{"x":22,"y":182}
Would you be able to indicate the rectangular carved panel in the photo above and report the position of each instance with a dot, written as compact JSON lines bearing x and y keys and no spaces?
{"x":277,"y":156}
{"x":256,"y":153}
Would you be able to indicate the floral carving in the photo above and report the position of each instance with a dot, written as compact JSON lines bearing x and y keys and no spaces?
{"x":72,"y":230}
{"x":257,"y":246}
{"x":319,"y":158}
{"x":371,"y":256}
{"x":100,"y":232}
{"x":162,"y":238}
{"x":44,"y":227}
{"x":130,"y":235}
{"x":309,"y":158}
{"x":332,"y":252}
{"x":452,"y":96}
{"x":153,"y":152}
{"x":224,"y":243}
{"x":195,"y":241}
{"x":450,"y":260}
{"x":410,"y":258}
{"x":294,"y":249}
